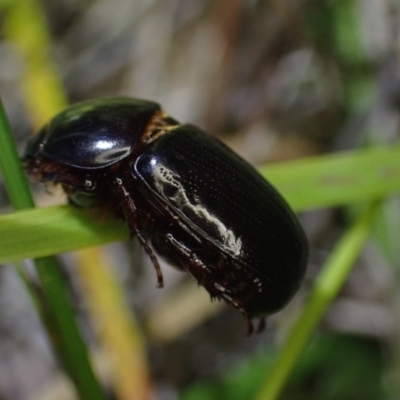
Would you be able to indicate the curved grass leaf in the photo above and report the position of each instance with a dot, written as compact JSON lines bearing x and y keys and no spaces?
{"x":334,"y":180}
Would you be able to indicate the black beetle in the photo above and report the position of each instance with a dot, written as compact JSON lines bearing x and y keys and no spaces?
{"x":202,"y":207}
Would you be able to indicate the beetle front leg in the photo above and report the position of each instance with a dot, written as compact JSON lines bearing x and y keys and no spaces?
{"x":131,"y":217}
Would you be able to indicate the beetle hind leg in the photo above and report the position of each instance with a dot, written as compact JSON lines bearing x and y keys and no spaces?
{"x":261,"y":324}
{"x":250,"y":326}
{"x":131,"y":216}
{"x":249,"y":323}
{"x":239,"y":295}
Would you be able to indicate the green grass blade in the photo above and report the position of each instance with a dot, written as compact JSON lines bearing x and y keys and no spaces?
{"x":67,"y":339}
{"x":326,"y":288}
{"x":333,"y":180}
{"x":14,"y":177}
{"x":338,"y":179}
{"x":52,"y":230}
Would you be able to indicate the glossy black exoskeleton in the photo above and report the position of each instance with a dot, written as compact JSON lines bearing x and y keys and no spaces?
{"x":199,"y":205}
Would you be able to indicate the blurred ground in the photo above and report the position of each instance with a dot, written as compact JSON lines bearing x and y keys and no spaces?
{"x":274,"y":79}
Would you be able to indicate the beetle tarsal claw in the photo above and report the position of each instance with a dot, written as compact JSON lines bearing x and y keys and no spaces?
{"x":261,"y":325}
{"x":250,"y":327}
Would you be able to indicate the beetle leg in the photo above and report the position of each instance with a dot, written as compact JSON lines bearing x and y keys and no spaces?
{"x":250,"y":326}
{"x":249,"y":323}
{"x":131,"y":216}
{"x":261,"y":325}
{"x":238,"y":295}
{"x":153,"y":257}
